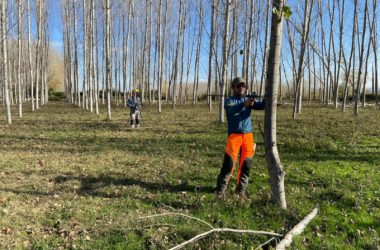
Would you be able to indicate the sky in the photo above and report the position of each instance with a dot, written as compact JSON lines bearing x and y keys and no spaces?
{"x":55,"y":22}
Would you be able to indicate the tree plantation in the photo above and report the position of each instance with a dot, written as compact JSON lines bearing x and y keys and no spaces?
{"x":137,"y":124}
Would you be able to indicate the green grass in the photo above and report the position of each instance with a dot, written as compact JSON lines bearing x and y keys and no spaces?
{"x":70,"y":179}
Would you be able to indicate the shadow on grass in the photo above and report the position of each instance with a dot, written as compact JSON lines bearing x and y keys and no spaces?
{"x":26,"y":192}
{"x":93,"y":185}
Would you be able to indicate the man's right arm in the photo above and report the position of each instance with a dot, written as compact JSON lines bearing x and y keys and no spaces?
{"x":232,"y":107}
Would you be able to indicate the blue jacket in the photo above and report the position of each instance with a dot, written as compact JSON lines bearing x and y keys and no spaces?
{"x":134,"y":103}
{"x":239,"y":116}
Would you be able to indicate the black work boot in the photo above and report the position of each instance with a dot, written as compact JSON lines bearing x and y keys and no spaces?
{"x":221,"y":182}
{"x":241,"y":188}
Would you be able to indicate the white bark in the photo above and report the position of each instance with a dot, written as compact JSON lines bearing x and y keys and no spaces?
{"x":30,"y":58}
{"x":108,"y":57}
{"x":297,"y":230}
{"x":4,"y":37}
{"x":276,"y":170}
{"x":19,"y":48}
{"x":225,"y":59}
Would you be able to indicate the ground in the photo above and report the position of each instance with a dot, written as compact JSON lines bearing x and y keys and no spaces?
{"x":71,"y":179}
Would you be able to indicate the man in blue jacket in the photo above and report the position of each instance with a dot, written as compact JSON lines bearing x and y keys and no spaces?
{"x":134,"y":104}
{"x":240,"y":138}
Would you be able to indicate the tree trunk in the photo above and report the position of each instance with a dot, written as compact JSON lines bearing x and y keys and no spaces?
{"x":91,"y":58}
{"x":4,"y":37}
{"x":85,"y":70}
{"x":301,"y":62}
{"x":149,"y":54}
{"x":361,"y":56}
{"x":374,"y":43}
{"x":211,"y":53}
{"x":341,"y":30}
{"x":265,"y":49}
{"x":38,"y":48}
{"x":158,"y":45}
{"x":197,"y":57}
{"x":225,"y":60}
{"x":108,"y":57}
{"x":249,"y":42}
{"x":177,"y":51}
{"x":30,"y":58}
{"x":276,"y":171}
{"x":96,"y":68}
{"x":76,"y":73}
{"x":180,"y":91}
{"x":20,"y":49}
{"x":351,"y":59}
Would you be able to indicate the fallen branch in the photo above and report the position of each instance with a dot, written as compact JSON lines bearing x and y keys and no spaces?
{"x":265,"y":243}
{"x":178,"y":214}
{"x":202,"y":235}
{"x":298,"y":229}
{"x":150,"y":226}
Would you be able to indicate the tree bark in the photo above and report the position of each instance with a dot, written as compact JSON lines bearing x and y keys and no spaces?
{"x":4,"y":37}
{"x":301,"y":62}
{"x":108,"y":57}
{"x":197,"y":56}
{"x":225,"y":60}
{"x":361,"y":56}
{"x":177,"y":51}
{"x":20,"y":49}
{"x":30,"y":59}
{"x":211,"y":53}
{"x":265,"y":49}
{"x":352,"y":57}
{"x":158,"y":48}
{"x":276,"y":171}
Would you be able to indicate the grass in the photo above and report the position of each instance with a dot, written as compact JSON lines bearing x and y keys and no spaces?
{"x":70,"y":179}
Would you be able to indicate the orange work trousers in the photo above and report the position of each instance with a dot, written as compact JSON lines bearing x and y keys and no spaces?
{"x":242,"y":143}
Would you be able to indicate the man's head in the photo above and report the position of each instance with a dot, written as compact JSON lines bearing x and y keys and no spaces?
{"x":133,"y":92}
{"x":238,"y":86}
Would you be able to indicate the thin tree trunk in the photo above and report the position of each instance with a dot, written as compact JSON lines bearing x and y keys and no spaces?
{"x":361,"y":56}
{"x":235,"y":33}
{"x":76,"y":76}
{"x":85,"y":70}
{"x":211,"y":53}
{"x":108,"y":57}
{"x":4,"y":37}
{"x":91,"y":57}
{"x":158,"y":45}
{"x":30,"y":58}
{"x":276,"y":171}
{"x":225,"y":59}
{"x":149,"y":54}
{"x":182,"y":56}
{"x":197,"y":57}
{"x":265,"y":49}
{"x":352,"y":57}
{"x":371,"y":26}
{"x":374,"y":43}
{"x":301,"y":63}
{"x":341,"y":30}
{"x":38,"y":49}
{"x":20,"y":49}
{"x":177,"y":51}
{"x":96,"y":68}
{"x":249,"y":42}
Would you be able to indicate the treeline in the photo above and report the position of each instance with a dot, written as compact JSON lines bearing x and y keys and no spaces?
{"x":165,"y":48}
